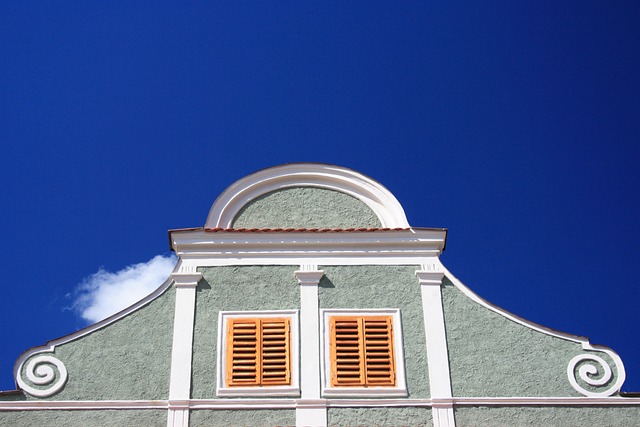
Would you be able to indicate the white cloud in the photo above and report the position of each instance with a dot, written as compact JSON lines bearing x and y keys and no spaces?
{"x":105,"y":293}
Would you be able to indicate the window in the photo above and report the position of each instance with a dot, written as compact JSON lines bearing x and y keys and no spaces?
{"x":363,"y":353}
{"x":258,"y":353}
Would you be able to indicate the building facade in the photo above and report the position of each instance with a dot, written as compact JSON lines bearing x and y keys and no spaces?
{"x":307,"y":299}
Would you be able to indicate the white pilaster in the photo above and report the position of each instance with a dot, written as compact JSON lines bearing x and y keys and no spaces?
{"x":430,"y":279}
{"x":311,"y":409}
{"x":182,"y":347}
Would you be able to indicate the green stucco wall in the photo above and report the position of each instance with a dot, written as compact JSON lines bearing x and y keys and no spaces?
{"x":240,"y":418}
{"x":490,"y":355}
{"x":613,"y":416}
{"x":305,"y":207}
{"x":377,"y":286}
{"x":128,"y":359}
{"x":233,"y":288}
{"x":379,"y":417}
{"x":79,"y":418}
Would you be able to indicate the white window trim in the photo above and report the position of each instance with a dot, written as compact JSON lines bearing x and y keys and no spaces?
{"x":400,"y":388}
{"x":288,"y":390}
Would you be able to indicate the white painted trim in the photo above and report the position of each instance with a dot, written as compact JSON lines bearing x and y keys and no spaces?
{"x":291,"y":390}
{"x":314,"y":411}
{"x":311,"y":415}
{"x":297,"y":260}
{"x":178,"y":418}
{"x":182,"y":347}
{"x":246,"y":403}
{"x":373,"y":194}
{"x":401,"y":385}
{"x":596,"y":365}
{"x":40,"y":371}
{"x":309,"y":332}
{"x":64,"y":405}
{"x":186,"y":282}
{"x":410,"y":242}
{"x":436,"y":339}
{"x":583,"y":341}
{"x":430,"y":280}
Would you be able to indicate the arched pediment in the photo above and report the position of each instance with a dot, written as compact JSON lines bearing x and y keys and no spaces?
{"x":268,"y":182}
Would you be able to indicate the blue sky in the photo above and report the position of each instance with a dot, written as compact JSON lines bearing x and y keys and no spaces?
{"x":514,"y":125}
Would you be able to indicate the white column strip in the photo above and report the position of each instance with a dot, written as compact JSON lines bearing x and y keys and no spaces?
{"x":182,"y":347}
{"x":311,"y":410}
{"x":437,"y":353}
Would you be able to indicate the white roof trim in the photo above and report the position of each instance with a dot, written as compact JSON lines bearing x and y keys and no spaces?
{"x":373,"y":194}
{"x":189,"y":244}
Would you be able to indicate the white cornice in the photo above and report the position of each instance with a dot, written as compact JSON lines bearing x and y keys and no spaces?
{"x":331,"y":177}
{"x":411,"y":242}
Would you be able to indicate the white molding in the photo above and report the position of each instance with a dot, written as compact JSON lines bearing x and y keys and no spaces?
{"x":185,"y":281}
{"x":309,"y":277}
{"x":39,"y":371}
{"x":436,"y":340}
{"x":587,"y":371}
{"x":290,"y":390}
{"x":311,"y":414}
{"x":400,"y":388}
{"x":247,"y":403}
{"x":314,"y":411}
{"x":297,"y":260}
{"x":64,"y":405}
{"x":309,"y":332}
{"x":373,"y":194}
{"x":228,"y":244}
{"x":583,"y":341}
{"x":430,"y":280}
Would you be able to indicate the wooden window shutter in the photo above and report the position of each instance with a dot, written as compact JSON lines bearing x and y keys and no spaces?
{"x":258,"y":352}
{"x":362,"y":351}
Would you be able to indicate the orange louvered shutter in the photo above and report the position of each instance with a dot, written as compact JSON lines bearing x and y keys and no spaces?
{"x":275,"y":352}
{"x":362,"y":351}
{"x":258,"y":352}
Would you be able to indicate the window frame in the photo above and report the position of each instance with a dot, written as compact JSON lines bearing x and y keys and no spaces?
{"x":292,"y":389}
{"x":400,"y":387}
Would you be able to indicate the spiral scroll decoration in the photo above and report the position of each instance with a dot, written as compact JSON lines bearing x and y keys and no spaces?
{"x":594,"y":371}
{"x":45,"y":371}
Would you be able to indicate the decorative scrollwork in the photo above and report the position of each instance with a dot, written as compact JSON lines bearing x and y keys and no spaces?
{"x":45,"y":371}
{"x":594,"y":371}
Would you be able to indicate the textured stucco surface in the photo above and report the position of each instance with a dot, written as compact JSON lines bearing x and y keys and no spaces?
{"x":379,"y":417}
{"x":103,"y":418}
{"x":129,"y":359}
{"x":305,"y":207}
{"x":240,"y":418}
{"x":616,"y":416}
{"x":233,"y":288}
{"x":373,"y":286}
{"x":491,"y":355}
